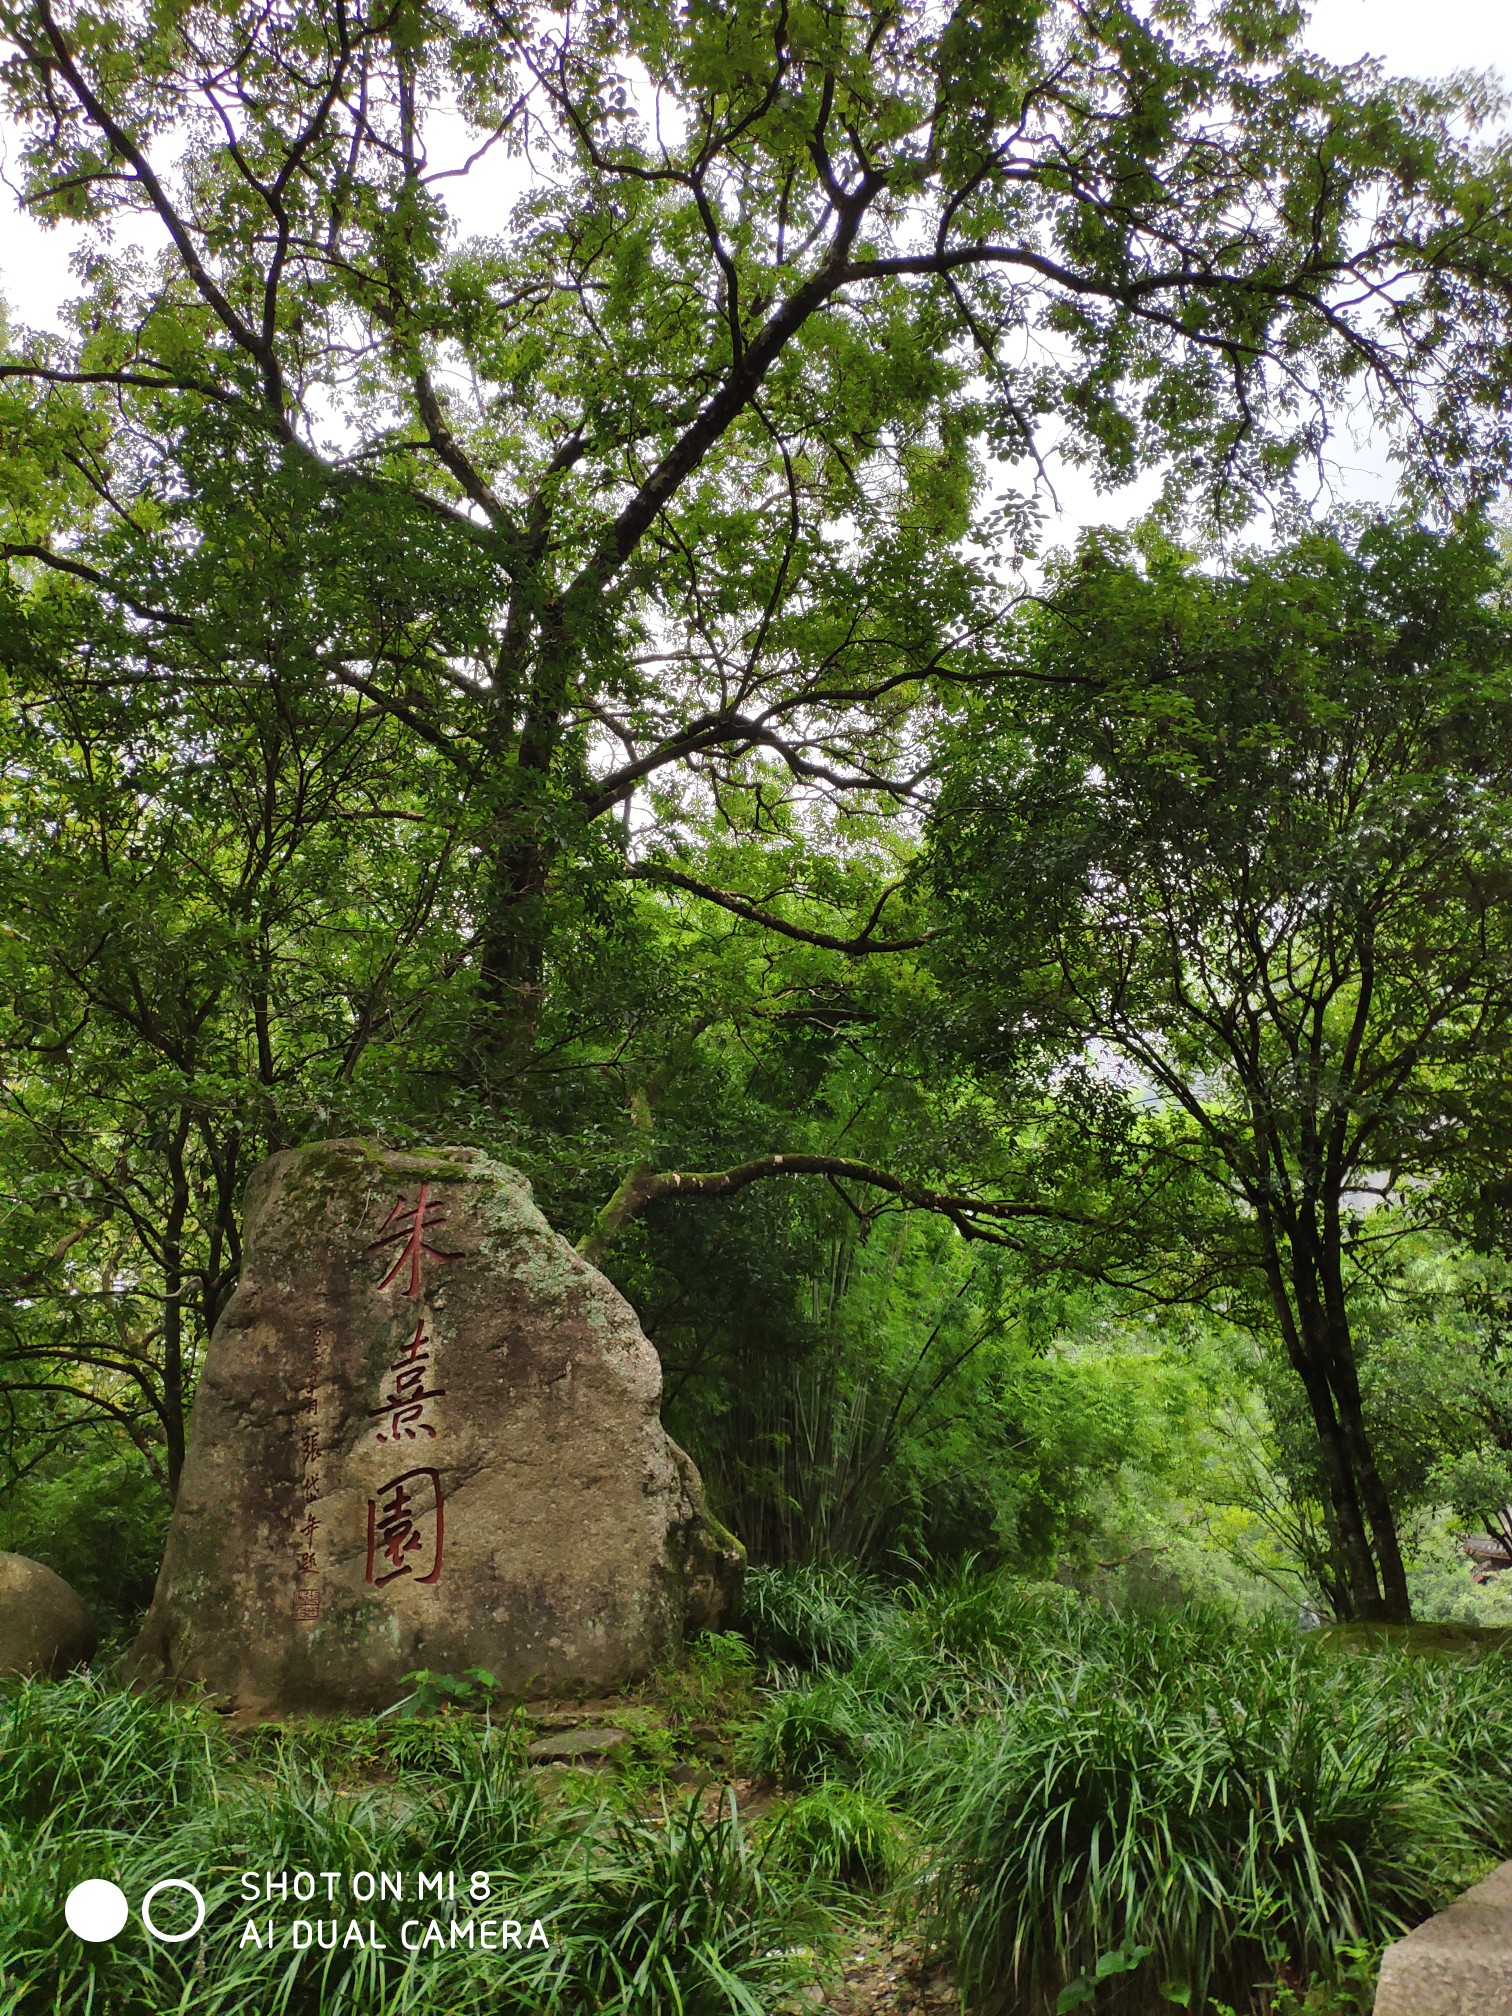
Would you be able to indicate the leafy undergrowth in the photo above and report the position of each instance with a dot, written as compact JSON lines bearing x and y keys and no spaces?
{"x":666,"y":1910}
{"x":1139,"y":1812}
{"x":874,"y":1794}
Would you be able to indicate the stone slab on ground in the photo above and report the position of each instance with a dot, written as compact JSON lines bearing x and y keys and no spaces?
{"x":576,"y":1746}
{"x":427,"y":1435}
{"x":1458,"y":1963}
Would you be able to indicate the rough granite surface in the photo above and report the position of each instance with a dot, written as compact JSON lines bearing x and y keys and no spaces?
{"x":426,"y":1435}
{"x":44,"y":1626}
{"x":1458,"y":1963}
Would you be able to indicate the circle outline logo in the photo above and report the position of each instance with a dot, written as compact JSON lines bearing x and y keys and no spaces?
{"x":172,"y":1883}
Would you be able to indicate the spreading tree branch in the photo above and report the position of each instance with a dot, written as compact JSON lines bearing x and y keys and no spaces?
{"x":754,"y":913}
{"x":985,"y":1218}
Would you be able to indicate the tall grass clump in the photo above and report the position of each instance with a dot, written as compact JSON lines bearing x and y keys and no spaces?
{"x":1136,"y":1810}
{"x":987,"y":1621}
{"x":671,"y":1914}
{"x":1199,"y":1809}
{"x":674,"y":1915}
{"x":840,"y":1833}
{"x":87,"y":1755}
{"x":805,"y":1734}
{"x":813,"y":1615}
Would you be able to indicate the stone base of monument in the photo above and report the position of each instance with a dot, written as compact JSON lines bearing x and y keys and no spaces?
{"x":427,"y":1435}
{"x":1458,"y":1963}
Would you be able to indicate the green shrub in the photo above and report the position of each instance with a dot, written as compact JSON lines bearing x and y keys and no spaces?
{"x":98,"y":1519}
{"x":433,"y":1693}
{"x":812,"y":1616}
{"x":839,"y":1832}
{"x":90,"y":1756}
{"x":1226,"y":1803}
{"x":817,"y":1730}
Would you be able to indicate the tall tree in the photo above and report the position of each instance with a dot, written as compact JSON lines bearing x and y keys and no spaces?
{"x":625,"y":544}
{"x":661,"y":480}
{"x":221,"y":907}
{"x":1253,"y":849}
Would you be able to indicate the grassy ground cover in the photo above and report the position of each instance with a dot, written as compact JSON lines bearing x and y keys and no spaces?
{"x":1071,"y":1807}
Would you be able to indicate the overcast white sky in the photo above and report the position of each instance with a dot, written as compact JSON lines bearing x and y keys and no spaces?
{"x":1415,"y":38}
{"x":1423,"y":38}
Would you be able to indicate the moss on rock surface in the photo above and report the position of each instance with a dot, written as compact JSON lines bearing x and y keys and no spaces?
{"x":1452,"y":1640}
{"x":427,"y":1434}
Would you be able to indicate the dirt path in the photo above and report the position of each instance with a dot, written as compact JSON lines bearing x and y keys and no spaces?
{"x":884,"y":1976}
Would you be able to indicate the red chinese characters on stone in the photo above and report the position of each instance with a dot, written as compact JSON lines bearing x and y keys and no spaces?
{"x":404,"y":1404}
{"x":309,"y":1602}
{"x":405,"y":1516}
{"x":406,"y":1227}
{"x":405,"y":1529}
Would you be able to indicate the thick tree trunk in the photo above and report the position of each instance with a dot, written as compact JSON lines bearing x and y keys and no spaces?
{"x":512,"y":962}
{"x":1345,"y":1381}
{"x":1291,"y":1255}
{"x":523,"y":849}
{"x":1324,"y":1343}
{"x":174,"y":1289}
{"x":1373,"y":1495}
{"x":1357,"y":1579}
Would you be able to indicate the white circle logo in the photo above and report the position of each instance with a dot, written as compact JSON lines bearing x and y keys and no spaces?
{"x":172,"y":1883}
{"x":95,"y":1910}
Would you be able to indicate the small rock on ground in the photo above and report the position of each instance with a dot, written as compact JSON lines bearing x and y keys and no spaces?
{"x":574,"y":1746}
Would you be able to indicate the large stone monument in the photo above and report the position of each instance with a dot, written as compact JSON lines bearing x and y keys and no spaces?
{"x":426,"y":1435}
